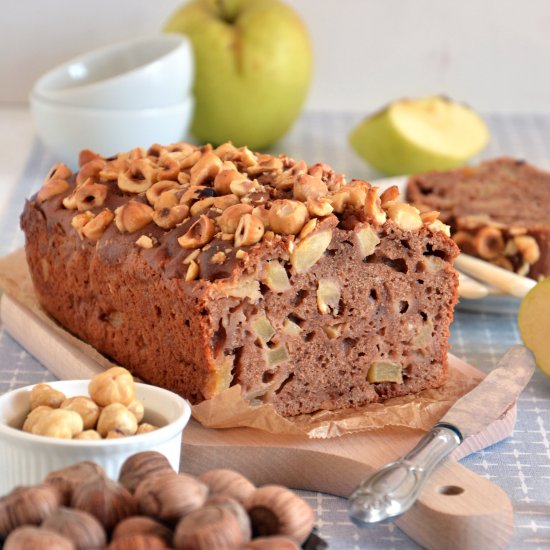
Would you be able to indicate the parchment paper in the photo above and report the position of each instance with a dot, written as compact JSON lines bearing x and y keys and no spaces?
{"x":229,"y":410}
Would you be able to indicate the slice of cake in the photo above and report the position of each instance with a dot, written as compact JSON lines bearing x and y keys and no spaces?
{"x":200,"y":268}
{"x":498,"y":211}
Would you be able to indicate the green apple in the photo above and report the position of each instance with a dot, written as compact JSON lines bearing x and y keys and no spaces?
{"x":534,"y":323}
{"x":253,"y":68}
{"x":417,"y":135}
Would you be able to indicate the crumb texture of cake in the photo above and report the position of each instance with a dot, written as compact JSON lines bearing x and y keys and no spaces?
{"x":498,"y":211}
{"x":199,"y":268}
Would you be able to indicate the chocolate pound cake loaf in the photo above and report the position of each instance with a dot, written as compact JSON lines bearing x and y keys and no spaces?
{"x":200,"y":268}
{"x":499,"y":211}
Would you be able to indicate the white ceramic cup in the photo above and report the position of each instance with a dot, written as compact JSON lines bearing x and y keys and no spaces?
{"x":154,"y":71}
{"x":27,"y":458}
{"x":67,"y":130}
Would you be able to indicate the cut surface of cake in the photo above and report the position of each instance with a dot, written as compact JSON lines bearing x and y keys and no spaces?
{"x":199,"y":268}
{"x":498,"y":211}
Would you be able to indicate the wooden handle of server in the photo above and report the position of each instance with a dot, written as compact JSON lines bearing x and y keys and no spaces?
{"x":504,"y":280}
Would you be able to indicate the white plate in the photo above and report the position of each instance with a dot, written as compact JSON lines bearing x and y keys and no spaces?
{"x":495,"y":302}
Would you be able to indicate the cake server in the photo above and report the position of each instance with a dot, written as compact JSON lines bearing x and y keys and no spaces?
{"x":393,"y":489}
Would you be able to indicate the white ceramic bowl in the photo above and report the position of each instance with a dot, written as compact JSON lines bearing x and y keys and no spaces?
{"x":154,"y":71}
{"x":28,"y":458}
{"x":67,"y":130}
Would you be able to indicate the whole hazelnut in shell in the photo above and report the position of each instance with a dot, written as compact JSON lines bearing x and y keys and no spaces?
{"x":28,"y":505}
{"x":269,"y":543}
{"x":142,"y":525}
{"x":115,"y":385}
{"x":34,"y":538}
{"x":138,"y":542}
{"x":170,"y":496}
{"x":236,"y":508}
{"x":105,"y":499}
{"x":209,"y":527}
{"x":228,"y":483}
{"x":142,"y":465}
{"x":66,"y":480}
{"x":82,"y":528}
{"x":276,"y":510}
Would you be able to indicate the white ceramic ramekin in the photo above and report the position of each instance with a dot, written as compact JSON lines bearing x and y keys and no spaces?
{"x":152,"y":71}
{"x":26,"y":459}
{"x":66,"y":130}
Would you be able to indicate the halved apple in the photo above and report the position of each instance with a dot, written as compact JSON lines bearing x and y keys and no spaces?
{"x":417,"y":135}
{"x":534,"y":323}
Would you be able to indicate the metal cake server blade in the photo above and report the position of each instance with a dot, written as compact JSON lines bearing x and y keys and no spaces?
{"x":393,"y":489}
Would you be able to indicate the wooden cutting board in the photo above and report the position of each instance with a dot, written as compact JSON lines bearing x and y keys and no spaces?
{"x":457,"y":509}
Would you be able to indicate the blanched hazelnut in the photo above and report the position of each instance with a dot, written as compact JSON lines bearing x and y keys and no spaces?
{"x":51,"y":188}
{"x":105,"y":499}
{"x":206,"y":168}
{"x":94,"y":228}
{"x":287,"y":217}
{"x":207,"y":528}
{"x":115,"y":385}
{"x":28,"y":505}
{"x":307,"y":186}
{"x":228,"y":483}
{"x":225,"y":177}
{"x":170,"y":496}
{"x":44,"y":394}
{"x":90,"y":170}
{"x":249,"y":231}
{"x":133,"y":216}
{"x":88,"y":434}
{"x":276,"y":510}
{"x":134,"y":183}
{"x":199,"y":234}
{"x":34,"y":538}
{"x":33,"y":417}
{"x":85,"y":407}
{"x":59,"y":423}
{"x":266,"y":164}
{"x":201,"y":206}
{"x":489,"y":242}
{"x":114,"y":434}
{"x":373,"y":208}
{"x":145,"y":428}
{"x":231,"y":216}
{"x":225,"y":201}
{"x":137,"y":409}
{"x":81,"y":527}
{"x":243,"y":187}
{"x":157,"y":190}
{"x":116,"y":418}
{"x":167,"y":168}
{"x":89,"y":195}
{"x":141,"y":465}
{"x":167,"y":218}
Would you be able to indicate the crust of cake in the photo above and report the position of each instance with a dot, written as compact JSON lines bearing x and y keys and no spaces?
{"x":297,"y":327}
{"x":497,"y":211}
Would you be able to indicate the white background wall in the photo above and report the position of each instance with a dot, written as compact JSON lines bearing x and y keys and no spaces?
{"x":492,"y":54}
